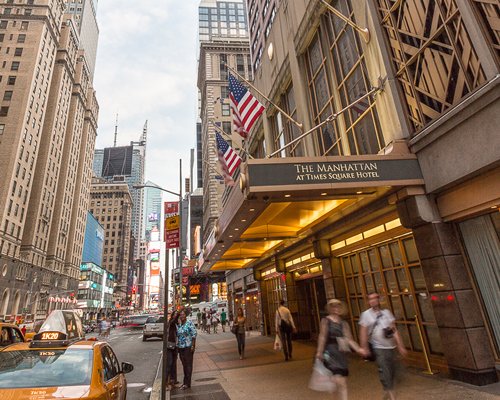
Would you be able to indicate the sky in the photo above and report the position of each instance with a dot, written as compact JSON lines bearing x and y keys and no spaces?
{"x":146,"y":69}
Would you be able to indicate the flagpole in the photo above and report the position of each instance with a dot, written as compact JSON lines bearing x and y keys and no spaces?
{"x":331,"y":118}
{"x":212,"y":168}
{"x":364,"y":32}
{"x":229,"y":137}
{"x":267,"y":98}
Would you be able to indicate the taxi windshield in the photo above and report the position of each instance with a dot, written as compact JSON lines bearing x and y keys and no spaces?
{"x":45,"y":368}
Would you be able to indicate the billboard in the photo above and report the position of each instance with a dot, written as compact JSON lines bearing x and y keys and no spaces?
{"x":153,"y":217}
{"x":117,"y":161}
{"x":94,"y":241}
{"x":154,"y":268}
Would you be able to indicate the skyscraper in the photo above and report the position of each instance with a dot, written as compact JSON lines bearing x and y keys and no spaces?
{"x":129,"y":162}
{"x":47,"y":133}
{"x":223,"y":41}
{"x":152,"y":209}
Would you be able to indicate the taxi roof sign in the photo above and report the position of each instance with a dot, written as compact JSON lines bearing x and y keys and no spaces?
{"x":60,"y":327}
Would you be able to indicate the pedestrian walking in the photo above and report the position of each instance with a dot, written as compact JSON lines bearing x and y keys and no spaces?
{"x":204,"y":320}
{"x":104,"y":328}
{"x":215,"y":321}
{"x":198,"y":318}
{"x":23,"y":330}
{"x":239,"y":330}
{"x":186,"y":342}
{"x":285,"y":326}
{"x":223,"y":320}
{"x":334,"y":341}
{"x":171,"y":331}
{"x":380,"y":338}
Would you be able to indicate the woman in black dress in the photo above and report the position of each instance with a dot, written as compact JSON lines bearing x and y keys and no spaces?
{"x":334,"y":341}
{"x":171,"y":328}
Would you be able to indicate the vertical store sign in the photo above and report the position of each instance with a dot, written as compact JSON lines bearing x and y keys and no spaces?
{"x":172,"y":226}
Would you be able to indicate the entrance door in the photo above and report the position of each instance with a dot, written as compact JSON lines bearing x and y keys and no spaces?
{"x":311,"y":299}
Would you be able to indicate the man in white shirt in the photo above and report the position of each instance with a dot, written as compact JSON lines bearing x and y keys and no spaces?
{"x":378,"y":327}
{"x":284,"y":325}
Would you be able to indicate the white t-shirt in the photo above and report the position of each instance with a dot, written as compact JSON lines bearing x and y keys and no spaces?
{"x":376,"y":334}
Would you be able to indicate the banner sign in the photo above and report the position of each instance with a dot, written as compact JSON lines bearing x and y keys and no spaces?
{"x":187,"y":271}
{"x":172,"y":224}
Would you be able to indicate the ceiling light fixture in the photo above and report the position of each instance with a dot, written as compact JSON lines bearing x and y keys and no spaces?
{"x":288,"y":195}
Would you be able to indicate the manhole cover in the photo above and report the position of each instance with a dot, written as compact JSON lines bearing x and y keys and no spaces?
{"x":205,"y":379}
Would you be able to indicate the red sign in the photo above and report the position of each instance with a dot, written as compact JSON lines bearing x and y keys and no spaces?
{"x":171,"y":208}
{"x":187,"y":271}
{"x":172,"y":239}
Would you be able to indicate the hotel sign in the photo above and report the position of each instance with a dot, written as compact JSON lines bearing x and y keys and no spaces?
{"x":344,"y":172}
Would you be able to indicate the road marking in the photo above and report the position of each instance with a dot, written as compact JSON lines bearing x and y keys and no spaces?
{"x":133,"y":385}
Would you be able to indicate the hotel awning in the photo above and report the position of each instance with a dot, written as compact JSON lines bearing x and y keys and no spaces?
{"x":282,"y":201}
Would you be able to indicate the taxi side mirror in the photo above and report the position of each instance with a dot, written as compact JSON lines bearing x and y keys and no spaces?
{"x":127,"y":367}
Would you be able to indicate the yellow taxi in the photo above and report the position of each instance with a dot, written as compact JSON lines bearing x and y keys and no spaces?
{"x":59,"y":363}
{"x":9,"y":334}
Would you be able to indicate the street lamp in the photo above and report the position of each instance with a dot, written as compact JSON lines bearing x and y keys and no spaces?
{"x":165,"y":288}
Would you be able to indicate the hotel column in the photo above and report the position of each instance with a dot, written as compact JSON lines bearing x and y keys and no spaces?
{"x":456,"y":308}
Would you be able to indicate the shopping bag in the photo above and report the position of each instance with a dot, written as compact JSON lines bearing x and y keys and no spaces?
{"x":321,"y":378}
{"x":277,"y":343}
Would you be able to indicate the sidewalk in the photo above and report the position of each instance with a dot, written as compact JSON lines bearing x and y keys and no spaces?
{"x":219,"y":374}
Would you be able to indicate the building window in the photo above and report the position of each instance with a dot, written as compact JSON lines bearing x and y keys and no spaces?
{"x":223,"y":67}
{"x":432,"y":54}
{"x":24,"y":25}
{"x":11,"y":80}
{"x":2,"y":129}
{"x":226,"y":111}
{"x":7,"y":95}
{"x":489,"y":14}
{"x":18,"y":52}
{"x":393,"y":270}
{"x":21,"y":38}
{"x":15,"y":66}
{"x":4,"y":111}
{"x":284,"y":130}
{"x":335,"y":85}
{"x":360,"y":123}
{"x":2,"y":35}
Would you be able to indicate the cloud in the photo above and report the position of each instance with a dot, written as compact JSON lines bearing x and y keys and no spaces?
{"x":146,"y":70}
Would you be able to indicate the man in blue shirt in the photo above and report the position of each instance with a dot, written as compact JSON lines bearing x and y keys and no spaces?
{"x":186,"y":343}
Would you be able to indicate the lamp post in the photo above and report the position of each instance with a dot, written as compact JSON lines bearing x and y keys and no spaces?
{"x":165,"y":296}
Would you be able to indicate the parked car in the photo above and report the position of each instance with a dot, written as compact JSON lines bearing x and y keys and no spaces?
{"x":153,"y":328}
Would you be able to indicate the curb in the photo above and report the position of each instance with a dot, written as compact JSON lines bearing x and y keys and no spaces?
{"x":156,"y":391}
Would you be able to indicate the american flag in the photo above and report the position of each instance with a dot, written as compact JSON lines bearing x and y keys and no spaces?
{"x":228,"y":159}
{"x":246,"y":108}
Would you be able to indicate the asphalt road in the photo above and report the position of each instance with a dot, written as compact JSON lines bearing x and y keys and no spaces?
{"x":128,"y":346}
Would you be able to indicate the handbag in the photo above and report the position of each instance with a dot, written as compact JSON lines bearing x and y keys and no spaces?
{"x":234,"y":329}
{"x":277,"y":343}
{"x":321,"y":378}
{"x":171,"y":345}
